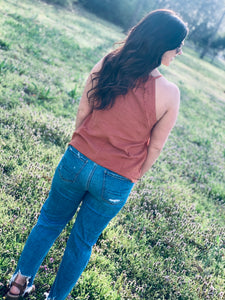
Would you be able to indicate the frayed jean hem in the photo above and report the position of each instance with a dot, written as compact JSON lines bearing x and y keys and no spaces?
{"x":47,"y":298}
{"x":28,"y":288}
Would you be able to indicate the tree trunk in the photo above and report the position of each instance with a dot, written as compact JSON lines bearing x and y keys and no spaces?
{"x":206,"y":49}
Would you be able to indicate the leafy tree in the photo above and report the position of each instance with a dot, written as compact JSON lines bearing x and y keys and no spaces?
{"x":212,"y":36}
{"x":60,"y":2}
{"x":219,"y":43}
{"x":116,"y":11}
{"x":203,"y":16}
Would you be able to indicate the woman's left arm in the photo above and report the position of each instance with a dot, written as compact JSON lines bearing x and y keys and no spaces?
{"x":162,"y":128}
{"x":84,"y":108}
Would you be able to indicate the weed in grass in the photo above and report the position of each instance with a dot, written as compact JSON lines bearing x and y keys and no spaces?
{"x":6,"y":67}
{"x":73,"y":92}
{"x":4,"y":45}
{"x":35,"y":93}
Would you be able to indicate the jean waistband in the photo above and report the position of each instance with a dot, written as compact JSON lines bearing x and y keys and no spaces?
{"x":82,"y":156}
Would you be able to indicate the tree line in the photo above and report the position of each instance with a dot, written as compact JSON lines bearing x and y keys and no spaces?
{"x":205,"y":18}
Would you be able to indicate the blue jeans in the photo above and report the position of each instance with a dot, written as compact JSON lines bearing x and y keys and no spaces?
{"x":101,"y":193}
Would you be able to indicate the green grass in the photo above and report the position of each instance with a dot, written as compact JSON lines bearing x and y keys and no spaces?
{"x":168,"y":241}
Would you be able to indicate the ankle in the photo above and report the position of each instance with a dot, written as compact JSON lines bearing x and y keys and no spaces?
{"x":21,"y":279}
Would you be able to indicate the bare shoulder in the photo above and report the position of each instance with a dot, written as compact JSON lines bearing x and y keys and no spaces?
{"x":94,"y":70}
{"x":167,"y":96}
{"x":168,"y":90}
{"x":98,"y":66}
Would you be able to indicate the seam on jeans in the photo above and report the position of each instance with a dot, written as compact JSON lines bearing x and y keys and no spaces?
{"x":85,"y":242}
{"x":117,"y":176}
{"x":102,"y":215}
{"x":47,"y":218}
{"x":90,"y":177}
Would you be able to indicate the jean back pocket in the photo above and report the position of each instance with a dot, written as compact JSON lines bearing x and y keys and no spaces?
{"x":116,"y":188}
{"x":71,"y":164}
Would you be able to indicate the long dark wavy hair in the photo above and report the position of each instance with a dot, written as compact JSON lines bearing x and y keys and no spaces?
{"x":140,"y":53}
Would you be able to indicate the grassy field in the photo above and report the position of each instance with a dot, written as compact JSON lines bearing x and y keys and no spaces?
{"x":169,"y":240}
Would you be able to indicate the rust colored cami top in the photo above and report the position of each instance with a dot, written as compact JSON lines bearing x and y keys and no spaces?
{"x":118,"y":138}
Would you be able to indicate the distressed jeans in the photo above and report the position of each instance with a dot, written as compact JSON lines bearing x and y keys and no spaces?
{"x":101,"y":193}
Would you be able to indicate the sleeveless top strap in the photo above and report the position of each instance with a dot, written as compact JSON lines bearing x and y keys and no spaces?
{"x":156,"y":77}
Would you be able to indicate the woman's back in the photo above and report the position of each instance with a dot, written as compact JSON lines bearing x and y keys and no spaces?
{"x":117,"y":138}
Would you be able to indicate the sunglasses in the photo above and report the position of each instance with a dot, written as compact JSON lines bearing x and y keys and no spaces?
{"x":178,"y":49}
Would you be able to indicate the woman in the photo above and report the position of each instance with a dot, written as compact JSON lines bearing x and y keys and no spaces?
{"x":124,"y":118}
